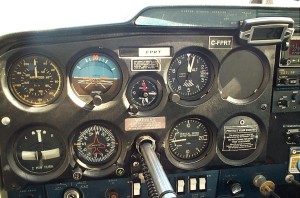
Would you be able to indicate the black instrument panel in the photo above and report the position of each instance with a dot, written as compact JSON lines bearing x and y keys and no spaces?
{"x":111,"y":98}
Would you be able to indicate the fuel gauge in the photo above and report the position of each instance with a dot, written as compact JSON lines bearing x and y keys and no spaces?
{"x":144,"y":92}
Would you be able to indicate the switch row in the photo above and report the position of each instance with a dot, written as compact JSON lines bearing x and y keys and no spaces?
{"x":195,"y":184}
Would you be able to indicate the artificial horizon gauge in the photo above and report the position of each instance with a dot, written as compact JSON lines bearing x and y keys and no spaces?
{"x":35,"y":80}
{"x":145,"y":92}
{"x":95,"y":145}
{"x":190,"y":75}
{"x":189,"y":139}
{"x":96,"y":78}
{"x":39,"y":150}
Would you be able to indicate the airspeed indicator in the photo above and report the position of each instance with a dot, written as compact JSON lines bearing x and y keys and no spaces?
{"x":35,"y":80}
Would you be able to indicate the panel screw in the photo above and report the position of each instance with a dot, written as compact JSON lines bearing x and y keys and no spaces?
{"x":120,"y":171}
{"x":263,"y":107}
{"x":242,"y":122}
{"x":5,"y":121}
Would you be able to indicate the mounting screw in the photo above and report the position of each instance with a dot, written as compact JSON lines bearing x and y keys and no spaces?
{"x":263,"y":107}
{"x":242,"y":122}
{"x":5,"y":121}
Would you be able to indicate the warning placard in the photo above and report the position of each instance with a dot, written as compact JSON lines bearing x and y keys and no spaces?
{"x":294,"y":159}
{"x":145,"y":65}
{"x":239,"y":138}
{"x":146,"y":123}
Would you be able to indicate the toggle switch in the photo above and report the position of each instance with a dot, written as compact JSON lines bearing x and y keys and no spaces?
{"x":193,"y":184}
{"x":202,"y":183}
{"x":136,"y":189}
{"x":180,"y":186}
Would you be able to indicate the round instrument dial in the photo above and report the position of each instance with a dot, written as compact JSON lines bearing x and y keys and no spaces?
{"x":96,"y":75}
{"x":190,"y":75}
{"x":189,"y":139}
{"x":145,"y":92}
{"x":35,"y":80}
{"x":39,"y":150}
{"x":95,"y":145}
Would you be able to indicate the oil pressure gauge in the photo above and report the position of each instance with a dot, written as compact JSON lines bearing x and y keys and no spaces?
{"x":144,"y":92}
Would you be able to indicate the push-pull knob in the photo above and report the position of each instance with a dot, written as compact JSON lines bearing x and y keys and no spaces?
{"x":235,"y":187}
{"x":266,"y":188}
{"x":72,"y":193}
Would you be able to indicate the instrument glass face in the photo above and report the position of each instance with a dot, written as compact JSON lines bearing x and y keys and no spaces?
{"x":35,"y":80}
{"x":145,"y":92}
{"x":96,"y":74}
{"x":39,"y":150}
{"x":190,"y":75}
{"x":95,"y":145}
{"x":189,"y":139}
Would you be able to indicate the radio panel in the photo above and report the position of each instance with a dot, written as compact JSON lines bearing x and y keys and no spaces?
{"x":291,"y":56}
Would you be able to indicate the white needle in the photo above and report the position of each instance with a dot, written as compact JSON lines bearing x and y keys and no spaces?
{"x":180,"y":140}
{"x":191,"y":65}
{"x":35,"y":68}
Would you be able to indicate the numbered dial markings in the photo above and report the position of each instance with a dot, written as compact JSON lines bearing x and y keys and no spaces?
{"x":95,"y":145}
{"x":39,"y":150}
{"x":35,"y":80}
{"x":189,"y":139}
{"x":145,"y":92}
{"x":189,"y":75}
{"x":96,"y":74}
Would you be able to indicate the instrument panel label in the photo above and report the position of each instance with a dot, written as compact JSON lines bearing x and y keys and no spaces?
{"x":294,"y":48}
{"x":220,"y":42}
{"x":146,"y":123}
{"x":237,"y":138}
{"x":145,"y":65}
{"x":155,"y":52}
{"x":294,"y":164}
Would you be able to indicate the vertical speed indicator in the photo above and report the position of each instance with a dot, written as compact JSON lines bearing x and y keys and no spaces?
{"x":189,"y":139}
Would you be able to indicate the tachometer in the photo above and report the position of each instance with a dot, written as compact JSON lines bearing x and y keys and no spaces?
{"x":95,"y":145}
{"x":96,"y":78}
{"x":190,"y":75}
{"x":35,"y":80}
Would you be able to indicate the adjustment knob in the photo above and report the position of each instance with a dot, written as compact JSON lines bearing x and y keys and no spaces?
{"x":97,"y":100}
{"x":72,"y":193}
{"x":283,"y":103}
{"x":174,"y":97}
{"x":235,"y":188}
{"x":295,"y":137}
{"x":133,"y":109}
{"x":296,"y":96}
{"x":283,"y":81}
